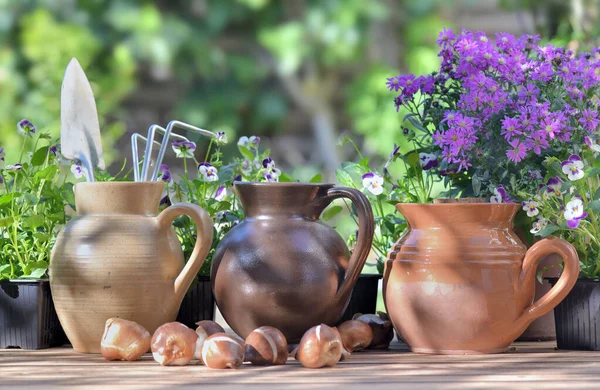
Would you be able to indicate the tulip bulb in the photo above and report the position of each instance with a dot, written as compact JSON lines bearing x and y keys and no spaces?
{"x":383,"y":331}
{"x":321,"y":346}
{"x":174,"y":344}
{"x":222,"y":351}
{"x":356,"y":335}
{"x":124,"y":340}
{"x":210,"y":327}
{"x":266,"y":346}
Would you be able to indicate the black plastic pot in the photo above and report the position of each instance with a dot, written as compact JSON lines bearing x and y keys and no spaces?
{"x":364,"y":296}
{"x":27,"y":316}
{"x":198,"y":304}
{"x":577,"y":317}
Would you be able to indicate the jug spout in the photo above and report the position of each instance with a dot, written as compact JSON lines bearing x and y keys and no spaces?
{"x":282,"y":199}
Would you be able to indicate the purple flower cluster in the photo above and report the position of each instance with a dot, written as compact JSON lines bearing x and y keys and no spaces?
{"x":501,"y":93}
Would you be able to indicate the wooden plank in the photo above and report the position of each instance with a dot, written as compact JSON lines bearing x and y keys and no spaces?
{"x":527,"y":365}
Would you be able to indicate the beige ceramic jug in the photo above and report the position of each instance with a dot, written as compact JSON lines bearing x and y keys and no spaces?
{"x":116,"y":258}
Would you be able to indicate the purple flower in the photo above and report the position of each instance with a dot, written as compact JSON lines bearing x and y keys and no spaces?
{"x":165,"y":174}
{"x":445,"y":37}
{"x":543,"y":73}
{"x":530,"y":207}
{"x":510,"y":128}
{"x":26,"y":128}
{"x":426,"y":84}
{"x":574,"y":212}
{"x":535,"y":174}
{"x":539,"y":225}
{"x":250,"y":143}
{"x":269,"y":165}
{"x":1,"y":179}
{"x":409,"y":85}
{"x":589,"y":119}
{"x":554,"y":186}
{"x":221,"y":193}
{"x":592,"y":144}
{"x":573,"y":167}
{"x":500,"y":195}
{"x":237,"y":178}
{"x":518,"y":151}
{"x":2,"y":155}
{"x":184,"y":149}
{"x":428,"y":161}
{"x":373,"y":182}
{"x":207,"y":172}
{"x":393,"y":83}
{"x":165,"y":201}
{"x":221,"y":138}
{"x":269,"y":177}
{"x":77,"y":171}
{"x":53,"y":150}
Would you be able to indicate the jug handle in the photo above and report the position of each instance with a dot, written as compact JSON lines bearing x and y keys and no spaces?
{"x":364,"y":241}
{"x":204,"y":237}
{"x":565,"y":283}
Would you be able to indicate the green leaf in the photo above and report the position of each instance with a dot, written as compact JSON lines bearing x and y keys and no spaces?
{"x":413,"y":159}
{"x":331,"y":212}
{"x":39,"y":156}
{"x":42,"y":237}
{"x":225,"y":175}
{"x":594,"y":205}
{"x":46,"y":173}
{"x":36,"y":273}
{"x":594,"y":172}
{"x":7,"y":221}
{"x":318,"y":178}
{"x":416,"y":123}
{"x":285,"y":178}
{"x":365,"y":162}
{"x":344,"y":178}
{"x":246,"y":153}
{"x":7,"y":198}
{"x":597,"y":194}
{"x":548,"y":230}
{"x":476,"y":182}
{"x":33,"y":221}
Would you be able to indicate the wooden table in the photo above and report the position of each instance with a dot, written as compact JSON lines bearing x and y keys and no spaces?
{"x":527,"y":366}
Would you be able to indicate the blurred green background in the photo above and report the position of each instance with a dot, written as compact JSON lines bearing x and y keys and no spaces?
{"x":298,"y":73}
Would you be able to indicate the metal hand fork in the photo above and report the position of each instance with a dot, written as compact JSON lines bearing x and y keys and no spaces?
{"x":165,"y":141}
{"x":148,"y":150}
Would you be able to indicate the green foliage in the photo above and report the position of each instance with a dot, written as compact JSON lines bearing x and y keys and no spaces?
{"x":36,"y":200}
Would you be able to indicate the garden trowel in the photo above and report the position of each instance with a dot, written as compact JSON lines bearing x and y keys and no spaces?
{"x":79,"y":129}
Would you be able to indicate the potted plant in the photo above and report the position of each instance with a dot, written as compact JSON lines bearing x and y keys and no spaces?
{"x":488,"y":118}
{"x":568,"y":206}
{"x":209,"y":184}
{"x":34,"y":193}
{"x":389,"y":224}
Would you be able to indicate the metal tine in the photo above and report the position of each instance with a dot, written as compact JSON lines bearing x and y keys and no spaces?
{"x":149,"y":156}
{"x":148,"y":152}
{"x":163,"y":146}
{"x":135,"y":137}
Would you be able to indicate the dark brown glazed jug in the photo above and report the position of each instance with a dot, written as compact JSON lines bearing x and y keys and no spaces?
{"x":461,"y":282}
{"x":283,"y":267}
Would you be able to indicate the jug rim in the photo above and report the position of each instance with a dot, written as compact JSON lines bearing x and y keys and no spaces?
{"x":281,"y":184}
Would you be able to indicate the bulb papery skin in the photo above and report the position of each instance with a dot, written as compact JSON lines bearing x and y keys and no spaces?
{"x":124,"y":340}
{"x":174,"y":344}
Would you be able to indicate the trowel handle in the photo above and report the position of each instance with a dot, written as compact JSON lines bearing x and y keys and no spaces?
{"x":204,"y":237}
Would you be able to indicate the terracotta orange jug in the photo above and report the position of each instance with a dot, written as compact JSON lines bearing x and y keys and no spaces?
{"x":117,"y":258}
{"x":460,"y":281}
